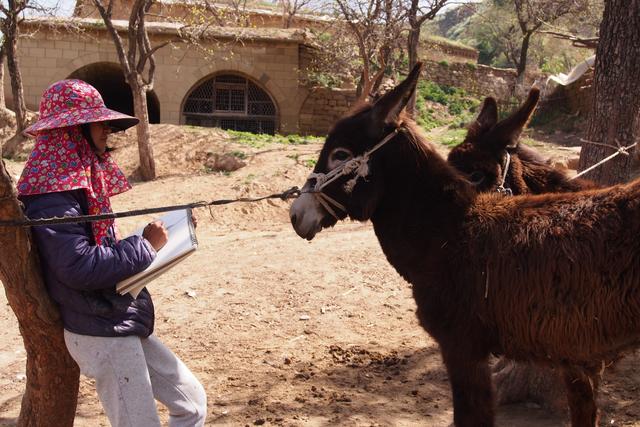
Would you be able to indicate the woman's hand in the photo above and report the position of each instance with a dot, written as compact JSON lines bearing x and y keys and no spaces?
{"x":156,"y":234}
{"x":194,"y":220}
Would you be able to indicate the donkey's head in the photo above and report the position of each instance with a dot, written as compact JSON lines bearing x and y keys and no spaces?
{"x":485,"y":154}
{"x":347,"y":179}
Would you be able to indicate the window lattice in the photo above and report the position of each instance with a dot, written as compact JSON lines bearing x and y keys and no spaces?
{"x":231,"y":102}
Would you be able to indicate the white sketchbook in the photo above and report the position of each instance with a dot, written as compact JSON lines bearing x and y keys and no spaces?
{"x":182,"y":242}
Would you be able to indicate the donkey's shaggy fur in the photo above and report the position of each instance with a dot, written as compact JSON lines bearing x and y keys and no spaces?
{"x":551,"y":278}
{"x":481,"y":156}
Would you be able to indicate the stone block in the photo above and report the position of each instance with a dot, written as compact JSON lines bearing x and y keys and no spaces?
{"x":70,"y":54}
{"x":36,"y":52}
{"x":46,"y":62}
{"x":53,"y":53}
{"x":62,"y":44}
{"x":28,"y":61}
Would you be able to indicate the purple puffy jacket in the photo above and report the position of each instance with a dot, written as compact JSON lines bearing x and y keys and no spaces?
{"x":81,"y":276}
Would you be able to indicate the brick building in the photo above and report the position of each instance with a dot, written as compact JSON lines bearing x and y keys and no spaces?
{"x":248,"y":78}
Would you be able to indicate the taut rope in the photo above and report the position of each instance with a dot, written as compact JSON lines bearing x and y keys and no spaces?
{"x":619,"y":150}
{"x":291,"y":193}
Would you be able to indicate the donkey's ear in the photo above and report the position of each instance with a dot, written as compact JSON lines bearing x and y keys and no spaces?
{"x":508,"y":130}
{"x":387,"y":109}
{"x":487,"y":119}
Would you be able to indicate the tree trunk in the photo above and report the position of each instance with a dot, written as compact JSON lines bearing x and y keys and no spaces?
{"x":522,"y":62}
{"x":147,"y":163}
{"x":412,"y":46}
{"x":615,"y":115}
{"x":52,"y":375}
{"x":11,"y":47}
{"x":3,"y":102}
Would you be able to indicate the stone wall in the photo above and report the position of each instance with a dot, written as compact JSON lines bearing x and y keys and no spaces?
{"x":479,"y":80}
{"x":437,"y":50}
{"x":579,"y":95}
{"x":199,"y":13}
{"x":323,"y":107}
{"x":573,"y":101}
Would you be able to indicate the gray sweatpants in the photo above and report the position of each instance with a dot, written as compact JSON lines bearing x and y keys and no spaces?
{"x":131,"y":371}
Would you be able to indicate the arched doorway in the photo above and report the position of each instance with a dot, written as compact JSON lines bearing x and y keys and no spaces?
{"x":107,"y":77}
{"x":230,"y":101}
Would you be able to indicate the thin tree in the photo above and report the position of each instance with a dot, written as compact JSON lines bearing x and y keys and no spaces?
{"x":531,"y":16}
{"x":3,"y":56}
{"x":614,"y":121}
{"x":52,"y":377}
{"x":12,"y":14}
{"x":375,"y":25}
{"x":138,"y":66}
{"x":291,"y":8}
{"x":417,"y":13}
{"x":52,"y":381}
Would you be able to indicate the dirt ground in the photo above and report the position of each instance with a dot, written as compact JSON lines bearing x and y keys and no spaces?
{"x":282,"y":331}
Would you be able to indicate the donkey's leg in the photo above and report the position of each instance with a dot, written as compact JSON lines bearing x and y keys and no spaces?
{"x":581,"y":394}
{"x":471,"y":387}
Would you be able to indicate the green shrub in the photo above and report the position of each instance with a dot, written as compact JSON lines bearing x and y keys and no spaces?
{"x":259,"y":140}
{"x":239,"y":154}
{"x":459,"y":104}
{"x":453,"y":137}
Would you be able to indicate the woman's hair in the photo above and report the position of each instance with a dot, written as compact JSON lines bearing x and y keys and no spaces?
{"x":86,"y":132}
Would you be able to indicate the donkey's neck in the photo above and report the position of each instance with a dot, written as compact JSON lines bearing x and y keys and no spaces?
{"x":423,"y":209}
{"x":540,"y":178}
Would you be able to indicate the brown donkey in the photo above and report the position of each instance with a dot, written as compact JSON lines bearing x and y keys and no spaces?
{"x":553,"y":279}
{"x":493,"y":160}
{"x":490,"y":145}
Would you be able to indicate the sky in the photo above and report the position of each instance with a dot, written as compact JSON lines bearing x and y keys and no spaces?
{"x":65,"y":7}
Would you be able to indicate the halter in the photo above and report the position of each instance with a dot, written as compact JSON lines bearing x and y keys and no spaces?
{"x":358,"y":166}
{"x":505,"y":170}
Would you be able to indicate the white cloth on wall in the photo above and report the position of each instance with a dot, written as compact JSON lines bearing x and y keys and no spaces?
{"x":575,"y":73}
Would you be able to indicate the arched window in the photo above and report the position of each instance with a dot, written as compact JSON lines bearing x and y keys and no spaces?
{"x":230,"y":102}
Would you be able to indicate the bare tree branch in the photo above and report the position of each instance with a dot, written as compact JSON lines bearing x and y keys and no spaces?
{"x":589,"y":42}
{"x":105,"y":13}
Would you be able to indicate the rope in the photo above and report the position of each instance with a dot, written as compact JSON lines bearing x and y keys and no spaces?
{"x":291,"y":193}
{"x":505,"y":170}
{"x":619,"y":150}
{"x":358,"y":166}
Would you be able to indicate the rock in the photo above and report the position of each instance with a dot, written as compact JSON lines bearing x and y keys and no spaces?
{"x":224,"y":163}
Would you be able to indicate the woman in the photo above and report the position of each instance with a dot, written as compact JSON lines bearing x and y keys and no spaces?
{"x":70,"y":173}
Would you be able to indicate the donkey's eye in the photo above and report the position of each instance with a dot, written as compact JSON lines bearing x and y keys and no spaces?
{"x":341,"y":155}
{"x":477,"y":177}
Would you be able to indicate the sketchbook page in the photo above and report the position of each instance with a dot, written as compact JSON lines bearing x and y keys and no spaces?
{"x":134,"y":288}
{"x":181,"y":240}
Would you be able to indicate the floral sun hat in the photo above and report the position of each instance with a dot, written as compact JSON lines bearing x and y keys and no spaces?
{"x":63,"y":160}
{"x":75,"y":102}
